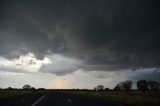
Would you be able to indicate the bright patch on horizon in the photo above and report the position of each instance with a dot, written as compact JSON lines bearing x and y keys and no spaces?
{"x":60,"y":83}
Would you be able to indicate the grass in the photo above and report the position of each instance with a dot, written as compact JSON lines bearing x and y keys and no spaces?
{"x":131,"y":99}
{"x":20,"y":96}
{"x":12,"y":93}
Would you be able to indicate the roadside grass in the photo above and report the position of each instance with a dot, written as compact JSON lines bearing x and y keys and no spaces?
{"x":20,"y":96}
{"x":12,"y":93}
{"x":131,"y":99}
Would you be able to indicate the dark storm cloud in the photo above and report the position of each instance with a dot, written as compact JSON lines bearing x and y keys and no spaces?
{"x":149,"y":74}
{"x":106,"y":35}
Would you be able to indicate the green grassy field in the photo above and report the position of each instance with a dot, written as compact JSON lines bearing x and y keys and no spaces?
{"x":131,"y":99}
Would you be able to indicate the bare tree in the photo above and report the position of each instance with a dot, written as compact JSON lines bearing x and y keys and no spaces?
{"x":117,"y":87}
{"x":126,"y":85}
{"x":99,"y":87}
{"x":95,"y":88}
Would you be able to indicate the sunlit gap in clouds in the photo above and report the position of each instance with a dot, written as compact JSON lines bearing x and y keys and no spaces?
{"x":54,"y":63}
{"x":25,"y":63}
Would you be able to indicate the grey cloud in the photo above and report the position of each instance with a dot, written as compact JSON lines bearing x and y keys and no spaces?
{"x":60,"y":65}
{"x":148,"y":74}
{"x":106,"y":35}
{"x":13,"y":69}
{"x":139,"y":74}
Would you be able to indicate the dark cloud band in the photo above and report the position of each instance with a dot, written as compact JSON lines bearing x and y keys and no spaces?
{"x":106,"y":35}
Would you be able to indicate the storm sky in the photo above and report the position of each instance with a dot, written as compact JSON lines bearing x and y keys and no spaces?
{"x":78,"y":43}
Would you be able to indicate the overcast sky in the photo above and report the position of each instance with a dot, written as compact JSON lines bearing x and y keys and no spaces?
{"x":78,"y":43}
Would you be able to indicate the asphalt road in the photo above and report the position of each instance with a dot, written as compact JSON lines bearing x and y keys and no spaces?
{"x":63,"y":99}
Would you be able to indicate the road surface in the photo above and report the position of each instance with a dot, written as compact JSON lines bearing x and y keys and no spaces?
{"x":53,"y":98}
{"x":63,"y":99}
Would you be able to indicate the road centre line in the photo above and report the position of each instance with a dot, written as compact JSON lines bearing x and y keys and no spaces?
{"x":69,"y":100}
{"x":34,"y":104}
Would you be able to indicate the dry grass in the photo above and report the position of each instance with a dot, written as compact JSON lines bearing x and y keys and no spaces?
{"x":132,"y":98}
{"x":13,"y":93}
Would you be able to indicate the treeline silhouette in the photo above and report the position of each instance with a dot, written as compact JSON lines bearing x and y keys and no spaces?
{"x":142,"y":85}
{"x":25,"y":87}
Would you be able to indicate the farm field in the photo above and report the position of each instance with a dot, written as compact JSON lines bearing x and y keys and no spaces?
{"x":20,"y":97}
{"x":132,"y":98}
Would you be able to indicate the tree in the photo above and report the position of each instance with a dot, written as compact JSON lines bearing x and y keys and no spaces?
{"x":10,"y":88}
{"x":95,"y":88}
{"x":117,"y":87}
{"x":33,"y":88}
{"x":106,"y":89}
{"x":27,"y":87}
{"x":99,"y":87}
{"x":142,"y":85}
{"x":41,"y":88}
{"x":127,"y":85}
{"x":153,"y":85}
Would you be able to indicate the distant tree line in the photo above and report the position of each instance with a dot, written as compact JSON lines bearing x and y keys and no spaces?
{"x":126,"y":85}
{"x":101,"y":88}
{"x":25,"y":87}
{"x":142,"y":85}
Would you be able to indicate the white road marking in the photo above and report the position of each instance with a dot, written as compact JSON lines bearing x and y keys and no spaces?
{"x":69,"y":100}
{"x":34,"y":104}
